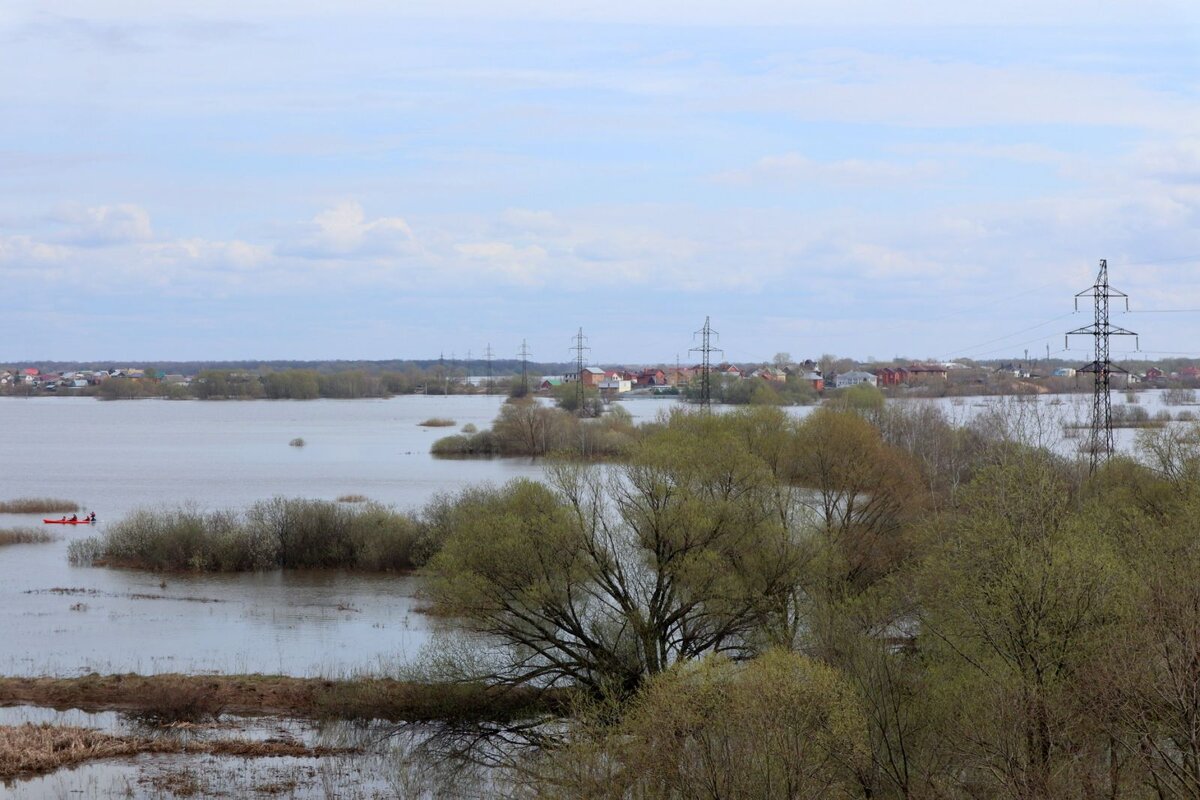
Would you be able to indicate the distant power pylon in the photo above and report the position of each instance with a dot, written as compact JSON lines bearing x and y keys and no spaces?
{"x":487,"y":354}
{"x":706,"y":350}
{"x":524,"y":356}
{"x":1100,"y":438}
{"x":580,"y":347}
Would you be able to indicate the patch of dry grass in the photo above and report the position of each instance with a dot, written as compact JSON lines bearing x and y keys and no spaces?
{"x":353,"y":498}
{"x":25,"y":536}
{"x":31,"y":749}
{"x":438,"y":422}
{"x":166,"y":698}
{"x":37,"y":505}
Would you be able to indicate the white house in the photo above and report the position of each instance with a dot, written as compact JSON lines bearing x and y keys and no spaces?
{"x":853,"y":378}
{"x":615,"y":386}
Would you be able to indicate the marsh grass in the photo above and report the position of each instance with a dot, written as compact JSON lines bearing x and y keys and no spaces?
{"x":271,"y":534}
{"x":437,"y":422}
{"x":297,"y":442}
{"x":37,"y":505}
{"x":353,"y":498}
{"x":31,"y":749}
{"x":25,"y":536}
{"x":164,"y":704}
{"x":162,"y":699}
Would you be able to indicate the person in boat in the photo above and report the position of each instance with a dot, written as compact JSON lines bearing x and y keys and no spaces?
{"x":91,"y":517}
{"x":74,"y":518}
{"x":64,"y":519}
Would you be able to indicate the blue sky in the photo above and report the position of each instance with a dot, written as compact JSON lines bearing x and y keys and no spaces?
{"x":377,"y":180}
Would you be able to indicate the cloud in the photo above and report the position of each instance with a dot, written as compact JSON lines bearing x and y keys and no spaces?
{"x":21,"y":251}
{"x":344,"y":232}
{"x":101,"y":226}
{"x":523,"y":265}
{"x":794,"y":169}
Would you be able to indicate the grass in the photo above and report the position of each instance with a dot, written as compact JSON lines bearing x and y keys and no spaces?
{"x":167,"y":698}
{"x":438,"y":422}
{"x":297,"y":442}
{"x":37,"y":505}
{"x":31,"y":749}
{"x":352,"y":498}
{"x":25,"y":536}
{"x":272,"y":534}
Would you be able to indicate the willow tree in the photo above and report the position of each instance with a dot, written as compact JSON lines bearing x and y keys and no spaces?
{"x":611,"y":574}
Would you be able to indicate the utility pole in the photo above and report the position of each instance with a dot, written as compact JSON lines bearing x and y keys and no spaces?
{"x":580,"y":347}
{"x":706,"y":350}
{"x":524,"y":356}
{"x":1100,"y":438}
{"x":487,"y":354}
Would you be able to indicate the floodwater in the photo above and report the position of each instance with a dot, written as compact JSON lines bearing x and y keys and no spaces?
{"x":381,"y":761}
{"x":113,"y":457}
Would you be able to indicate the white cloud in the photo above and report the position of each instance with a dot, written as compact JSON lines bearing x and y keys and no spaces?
{"x":343,"y":231}
{"x":794,"y":169}
{"x":100,"y":226}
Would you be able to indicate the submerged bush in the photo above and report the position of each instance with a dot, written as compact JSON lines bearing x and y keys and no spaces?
{"x":287,"y":533}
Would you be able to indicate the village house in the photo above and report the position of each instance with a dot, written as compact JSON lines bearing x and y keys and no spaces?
{"x":769,"y":374}
{"x":679,"y":376}
{"x":854,"y":378}
{"x":815,"y":379}
{"x":926,"y":372}
{"x":615,"y":385}
{"x":891,"y":376}
{"x":591,"y":376}
{"x":651,"y":377}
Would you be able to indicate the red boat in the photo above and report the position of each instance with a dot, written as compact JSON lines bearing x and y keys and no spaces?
{"x":83,"y":521}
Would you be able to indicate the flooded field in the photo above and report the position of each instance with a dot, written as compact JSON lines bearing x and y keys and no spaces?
{"x":56,"y":619}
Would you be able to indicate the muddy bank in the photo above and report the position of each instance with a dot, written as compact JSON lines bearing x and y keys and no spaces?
{"x":172,"y":697}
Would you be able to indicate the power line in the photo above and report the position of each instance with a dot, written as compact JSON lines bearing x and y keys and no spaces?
{"x":964,"y":350}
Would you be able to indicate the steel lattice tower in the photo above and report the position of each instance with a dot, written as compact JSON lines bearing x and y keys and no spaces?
{"x":1100,"y":437}
{"x":580,"y":347}
{"x":524,"y":355}
{"x":487,"y":354}
{"x":706,"y":350}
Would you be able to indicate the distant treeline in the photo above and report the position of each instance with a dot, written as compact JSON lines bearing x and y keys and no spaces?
{"x":475,"y":366}
{"x":291,"y":384}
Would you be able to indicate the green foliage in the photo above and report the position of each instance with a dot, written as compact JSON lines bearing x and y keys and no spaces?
{"x":529,"y":428}
{"x":566,"y":397}
{"x":862,"y":397}
{"x":779,"y":727}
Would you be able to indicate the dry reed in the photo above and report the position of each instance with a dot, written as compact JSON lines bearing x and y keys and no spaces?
{"x":25,"y":536}
{"x":31,"y":749}
{"x":37,"y":505}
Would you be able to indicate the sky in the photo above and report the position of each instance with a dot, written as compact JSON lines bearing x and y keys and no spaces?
{"x":373,"y":180}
